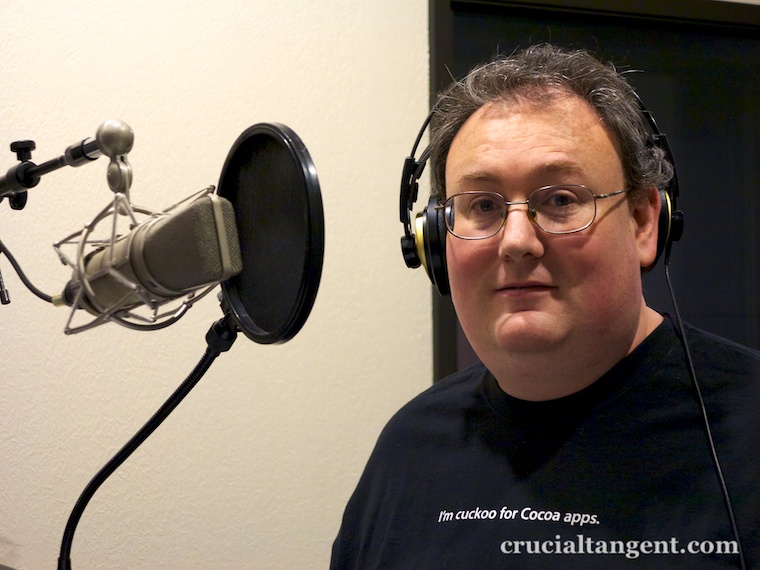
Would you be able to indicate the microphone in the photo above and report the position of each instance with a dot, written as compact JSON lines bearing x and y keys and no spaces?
{"x":168,"y":256}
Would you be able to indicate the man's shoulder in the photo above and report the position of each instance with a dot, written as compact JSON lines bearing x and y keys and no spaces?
{"x":728,"y":375}
{"x":714,"y":351}
{"x":452,"y":389}
{"x":441,"y":404}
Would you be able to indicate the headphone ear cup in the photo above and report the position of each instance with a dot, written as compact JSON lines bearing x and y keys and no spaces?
{"x":431,"y":245}
{"x":664,"y":228}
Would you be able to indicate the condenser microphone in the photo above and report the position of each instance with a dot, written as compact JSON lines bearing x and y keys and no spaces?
{"x":163,"y":258}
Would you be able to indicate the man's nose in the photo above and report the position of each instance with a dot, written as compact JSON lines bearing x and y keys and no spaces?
{"x":519,"y":235}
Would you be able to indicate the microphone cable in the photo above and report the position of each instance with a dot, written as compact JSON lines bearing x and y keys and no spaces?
{"x":22,"y":276}
{"x":704,"y":417}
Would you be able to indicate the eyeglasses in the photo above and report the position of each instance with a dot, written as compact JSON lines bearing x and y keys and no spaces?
{"x":556,"y":209}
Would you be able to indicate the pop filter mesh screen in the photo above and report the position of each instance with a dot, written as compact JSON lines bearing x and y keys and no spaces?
{"x":275,"y":204}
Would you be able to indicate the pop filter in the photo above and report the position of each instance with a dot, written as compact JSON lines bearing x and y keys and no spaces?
{"x":271,"y":181}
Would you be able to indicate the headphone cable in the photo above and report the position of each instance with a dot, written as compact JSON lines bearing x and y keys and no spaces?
{"x":703,"y":411}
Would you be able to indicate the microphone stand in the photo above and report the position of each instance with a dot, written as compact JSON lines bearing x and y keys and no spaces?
{"x":219,"y":338}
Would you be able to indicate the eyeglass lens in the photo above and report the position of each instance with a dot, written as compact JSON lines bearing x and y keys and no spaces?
{"x":555,"y":209}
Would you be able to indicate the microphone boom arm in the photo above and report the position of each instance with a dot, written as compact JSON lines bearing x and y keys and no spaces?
{"x":114,"y":138}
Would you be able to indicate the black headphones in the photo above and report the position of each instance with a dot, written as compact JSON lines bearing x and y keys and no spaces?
{"x":425,"y":243}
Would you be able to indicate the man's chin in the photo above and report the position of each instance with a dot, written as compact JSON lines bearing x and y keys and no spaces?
{"x":528,"y":331}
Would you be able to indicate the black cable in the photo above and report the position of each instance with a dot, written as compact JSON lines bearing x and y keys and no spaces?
{"x":22,"y":276}
{"x":219,"y":338}
{"x":705,"y":420}
{"x":4,"y":297}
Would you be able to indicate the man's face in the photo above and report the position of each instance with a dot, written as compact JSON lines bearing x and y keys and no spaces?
{"x":526,"y":292}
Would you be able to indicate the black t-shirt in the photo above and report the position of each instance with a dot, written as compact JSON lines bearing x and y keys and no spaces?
{"x":618,"y":475}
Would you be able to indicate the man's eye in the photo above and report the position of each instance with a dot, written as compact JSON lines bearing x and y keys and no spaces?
{"x":556,"y":200}
{"x":484,"y":206}
{"x":559,"y":200}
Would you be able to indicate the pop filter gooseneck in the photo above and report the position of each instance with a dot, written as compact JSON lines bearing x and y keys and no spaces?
{"x":271,"y":181}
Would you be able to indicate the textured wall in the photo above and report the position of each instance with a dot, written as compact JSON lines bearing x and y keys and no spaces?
{"x":254,"y":468}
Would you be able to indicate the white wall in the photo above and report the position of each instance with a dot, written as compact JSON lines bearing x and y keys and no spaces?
{"x":254,"y":468}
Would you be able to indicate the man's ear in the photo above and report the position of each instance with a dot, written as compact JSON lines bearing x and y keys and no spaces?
{"x":646,"y":215}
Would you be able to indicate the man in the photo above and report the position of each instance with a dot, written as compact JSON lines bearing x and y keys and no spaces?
{"x":578,"y":443}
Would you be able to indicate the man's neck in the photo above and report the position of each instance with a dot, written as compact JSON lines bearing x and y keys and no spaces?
{"x":569,"y":369}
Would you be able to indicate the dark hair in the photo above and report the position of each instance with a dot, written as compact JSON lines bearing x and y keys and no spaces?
{"x":542,"y":72}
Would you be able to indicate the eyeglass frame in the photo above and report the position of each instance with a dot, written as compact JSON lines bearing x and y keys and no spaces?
{"x":531,"y":216}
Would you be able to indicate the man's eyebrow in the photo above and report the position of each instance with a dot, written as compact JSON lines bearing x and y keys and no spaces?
{"x":477,"y":176}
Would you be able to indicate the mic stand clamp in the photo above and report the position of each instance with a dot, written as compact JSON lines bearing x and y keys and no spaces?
{"x":19,"y":177}
{"x":222,"y":334}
